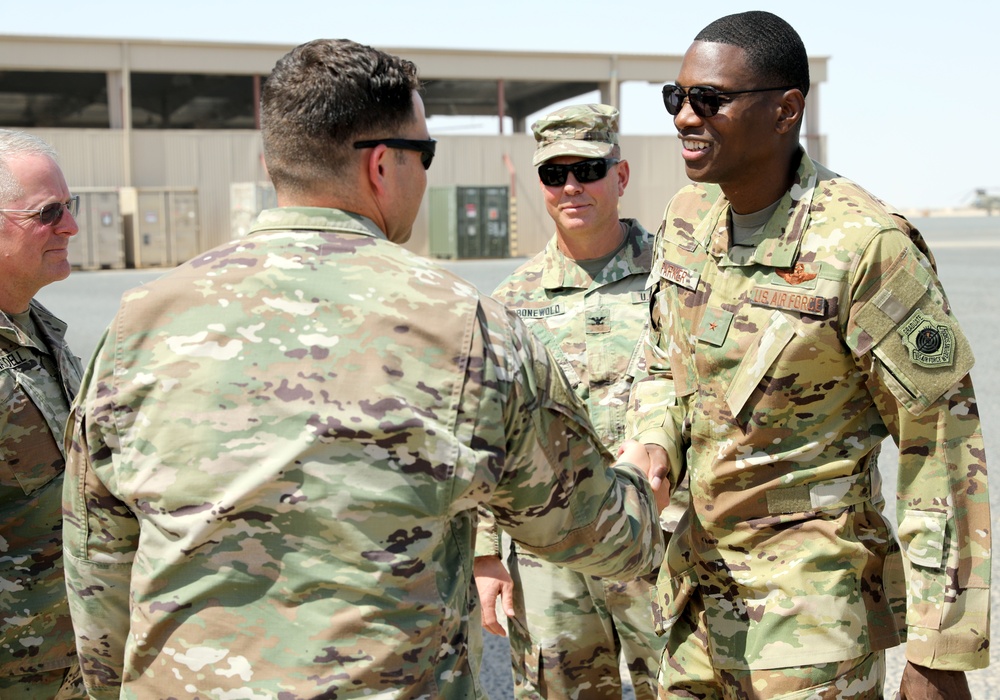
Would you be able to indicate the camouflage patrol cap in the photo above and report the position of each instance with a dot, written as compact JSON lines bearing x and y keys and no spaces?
{"x":590,"y":131}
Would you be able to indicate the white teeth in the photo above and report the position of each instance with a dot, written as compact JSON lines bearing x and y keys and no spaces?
{"x":695,"y":145}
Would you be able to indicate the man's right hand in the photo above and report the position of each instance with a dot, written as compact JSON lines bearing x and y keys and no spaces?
{"x":492,"y":582}
{"x":655,"y":464}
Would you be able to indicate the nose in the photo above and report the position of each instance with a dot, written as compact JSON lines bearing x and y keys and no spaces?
{"x":572,"y":185}
{"x":686,"y":116}
{"x":67,"y":225}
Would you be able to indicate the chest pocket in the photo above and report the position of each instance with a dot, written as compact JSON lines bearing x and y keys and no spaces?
{"x":31,"y":456}
{"x":759,"y":357}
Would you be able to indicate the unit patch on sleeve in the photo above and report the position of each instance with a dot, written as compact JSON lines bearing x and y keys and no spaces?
{"x":930,"y":344}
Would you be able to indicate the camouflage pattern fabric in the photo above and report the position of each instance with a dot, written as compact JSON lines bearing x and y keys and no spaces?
{"x":588,"y":131}
{"x":38,"y":379}
{"x":569,"y":628}
{"x":692,"y":675}
{"x":807,"y":349}
{"x":277,"y":460}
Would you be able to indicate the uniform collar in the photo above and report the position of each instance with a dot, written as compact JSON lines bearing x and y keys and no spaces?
{"x":779,"y":241}
{"x":560,"y":272}
{"x":47,"y":325}
{"x":314,"y":219}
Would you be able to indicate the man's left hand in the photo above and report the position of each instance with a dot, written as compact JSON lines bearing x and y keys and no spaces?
{"x":922,"y":683}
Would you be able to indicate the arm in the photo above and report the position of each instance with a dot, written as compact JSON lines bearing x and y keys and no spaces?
{"x":555,"y":494}
{"x":100,"y":535}
{"x":656,"y":405}
{"x":927,"y":402}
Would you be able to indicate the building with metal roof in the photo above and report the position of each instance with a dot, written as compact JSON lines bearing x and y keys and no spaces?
{"x":135,"y":115}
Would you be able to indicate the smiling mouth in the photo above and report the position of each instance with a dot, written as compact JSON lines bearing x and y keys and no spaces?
{"x":694,"y":145}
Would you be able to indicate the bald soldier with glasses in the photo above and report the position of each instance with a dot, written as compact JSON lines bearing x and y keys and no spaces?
{"x":39,"y":377}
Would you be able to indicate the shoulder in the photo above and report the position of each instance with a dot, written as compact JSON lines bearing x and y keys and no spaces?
{"x":690,"y":204}
{"x":839,"y":200}
{"x":523,"y":280}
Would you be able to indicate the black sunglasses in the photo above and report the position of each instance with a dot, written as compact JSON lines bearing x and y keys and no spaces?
{"x":52,"y":213}
{"x":425,"y":147}
{"x":705,"y":101}
{"x":590,"y":170}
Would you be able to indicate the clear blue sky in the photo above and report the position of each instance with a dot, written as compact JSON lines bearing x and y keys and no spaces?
{"x":910,"y":109}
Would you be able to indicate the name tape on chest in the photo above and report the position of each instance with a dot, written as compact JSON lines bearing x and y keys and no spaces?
{"x":789,"y":301}
{"x":680,"y":275}
{"x":14,"y":359}
{"x":542,"y":312}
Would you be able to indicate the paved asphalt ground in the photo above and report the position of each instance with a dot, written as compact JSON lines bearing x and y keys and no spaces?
{"x":968,"y":256}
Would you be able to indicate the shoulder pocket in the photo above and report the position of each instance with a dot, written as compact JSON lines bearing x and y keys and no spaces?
{"x":919,"y":349}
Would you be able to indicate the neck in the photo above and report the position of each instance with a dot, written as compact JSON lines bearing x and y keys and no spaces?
{"x":766,"y":186}
{"x":14,"y":303}
{"x":580,"y":246}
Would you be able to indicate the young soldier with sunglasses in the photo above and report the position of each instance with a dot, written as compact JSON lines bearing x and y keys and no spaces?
{"x":584,"y":297}
{"x":39,"y":377}
{"x":817,"y":327}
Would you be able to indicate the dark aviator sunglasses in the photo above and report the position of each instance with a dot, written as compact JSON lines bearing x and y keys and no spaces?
{"x":705,"y":101}
{"x":426,"y":147}
{"x":51,"y":213}
{"x":590,"y":170}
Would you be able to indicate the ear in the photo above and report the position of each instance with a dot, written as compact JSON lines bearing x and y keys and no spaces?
{"x":623,"y":175}
{"x":790,"y":110}
{"x":375,"y":169}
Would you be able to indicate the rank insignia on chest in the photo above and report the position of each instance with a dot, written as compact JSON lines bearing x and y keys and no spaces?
{"x":714,"y":326}
{"x":930,"y":344}
{"x":680,"y":275}
{"x":787,"y":300}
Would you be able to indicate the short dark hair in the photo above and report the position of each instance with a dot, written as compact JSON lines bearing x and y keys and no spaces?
{"x":774,"y":50}
{"x":323,"y":96}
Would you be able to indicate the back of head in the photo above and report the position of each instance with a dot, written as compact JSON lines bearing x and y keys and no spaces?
{"x":13,"y":144}
{"x":773,"y":48}
{"x":323,"y":96}
{"x":588,"y":131}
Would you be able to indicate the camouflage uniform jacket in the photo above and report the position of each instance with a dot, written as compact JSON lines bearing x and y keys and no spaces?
{"x":795,"y":359}
{"x":282,"y":446}
{"x":595,"y":328}
{"x":35,"y":630}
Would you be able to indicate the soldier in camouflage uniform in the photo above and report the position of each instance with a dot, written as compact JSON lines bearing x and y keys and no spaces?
{"x":584,"y":297}
{"x":281,"y":446}
{"x":801,"y":323}
{"x":39,"y":377}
